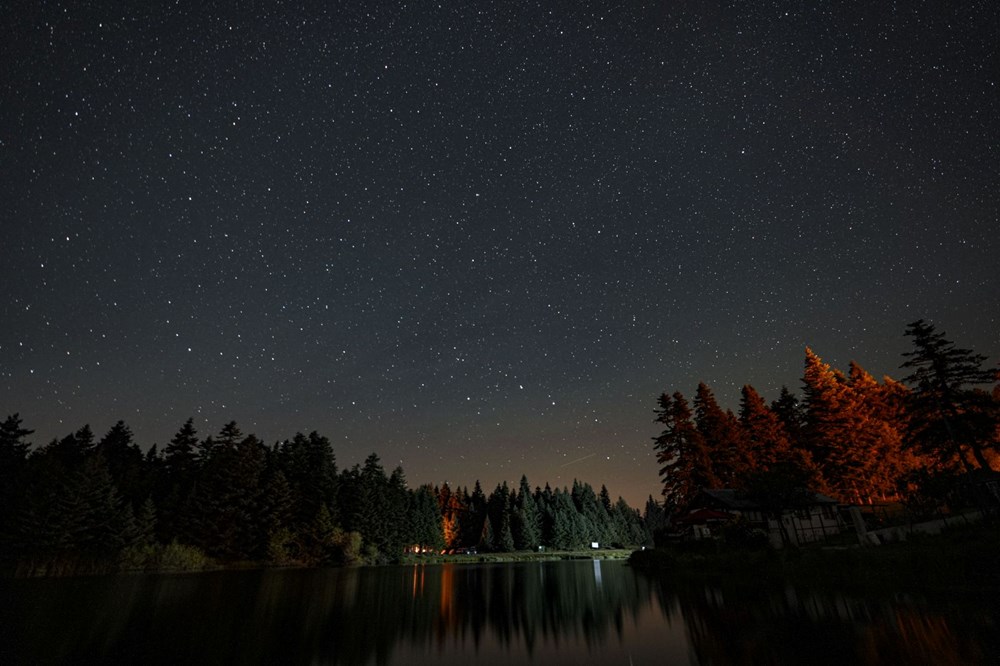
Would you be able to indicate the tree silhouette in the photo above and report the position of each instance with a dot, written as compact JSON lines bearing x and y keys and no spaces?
{"x":527,"y":520}
{"x":949,"y":420}
{"x":14,"y":449}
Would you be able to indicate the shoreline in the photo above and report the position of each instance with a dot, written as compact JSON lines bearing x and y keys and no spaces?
{"x":964,"y":559}
{"x":15,"y":572}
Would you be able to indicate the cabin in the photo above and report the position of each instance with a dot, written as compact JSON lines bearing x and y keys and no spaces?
{"x":712,"y":508}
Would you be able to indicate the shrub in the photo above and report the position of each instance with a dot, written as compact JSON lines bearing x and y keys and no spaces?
{"x":346,"y":548}
{"x":181,"y":557}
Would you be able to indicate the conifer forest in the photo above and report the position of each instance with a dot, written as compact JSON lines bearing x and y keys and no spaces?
{"x":857,"y":439}
{"x":86,"y":505}
{"x":83,"y":504}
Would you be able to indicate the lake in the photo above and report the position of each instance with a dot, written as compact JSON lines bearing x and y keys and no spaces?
{"x":569,"y":612}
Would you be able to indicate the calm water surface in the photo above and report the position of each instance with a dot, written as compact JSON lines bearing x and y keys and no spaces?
{"x":545,"y":613}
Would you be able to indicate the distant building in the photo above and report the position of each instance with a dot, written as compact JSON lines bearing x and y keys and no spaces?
{"x":713,"y":508}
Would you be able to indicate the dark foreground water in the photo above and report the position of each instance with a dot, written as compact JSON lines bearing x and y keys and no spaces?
{"x":549,"y":613}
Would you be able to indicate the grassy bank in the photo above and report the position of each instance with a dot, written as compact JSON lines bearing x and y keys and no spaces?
{"x":519,"y":556}
{"x":964,"y":557}
{"x":174,"y":558}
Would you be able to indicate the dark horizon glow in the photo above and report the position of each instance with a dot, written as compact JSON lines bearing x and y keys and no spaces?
{"x":481,"y":240}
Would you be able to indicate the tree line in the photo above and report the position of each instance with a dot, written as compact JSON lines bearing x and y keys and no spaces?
{"x":78,"y":504}
{"x":851,"y":436}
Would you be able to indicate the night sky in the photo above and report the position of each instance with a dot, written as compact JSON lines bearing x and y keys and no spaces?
{"x":480,"y":238}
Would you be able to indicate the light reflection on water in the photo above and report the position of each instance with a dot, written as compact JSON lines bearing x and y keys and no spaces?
{"x":545,"y":613}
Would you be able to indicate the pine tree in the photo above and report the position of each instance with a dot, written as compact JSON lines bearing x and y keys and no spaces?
{"x":14,"y":449}
{"x":605,"y":498}
{"x":654,"y":517}
{"x":949,"y":420}
{"x":825,"y":411}
{"x":425,"y":519}
{"x":792,"y":415}
{"x":765,"y":435}
{"x":844,"y":435}
{"x":632,"y":530}
{"x":71,"y":451}
{"x":311,"y":469}
{"x":125,"y":462}
{"x":371,"y":510}
{"x":276,"y":503}
{"x":503,"y":538}
{"x":145,"y":523}
{"x":14,"y":446}
{"x":230,"y":435}
{"x":180,"y":458}
{"x":180,"y":466}
{"x":222,"y":515}
{"x":472,"y":519}
{"x":595,"y":520}
{"x":878,"y":406}
{"x":75,"y":519}
{"x":487,"y":538}
{"x":685,"y":465}
{"x":451,"y":518}
{"x":527,"y":520}
{"x":397,"y":502}
{"x":497,"y":506}
{"x":723,"y":438}
{"x":565,"y":533}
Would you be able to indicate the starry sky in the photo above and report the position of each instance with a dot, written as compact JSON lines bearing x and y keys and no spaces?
{"x":480,"y":238}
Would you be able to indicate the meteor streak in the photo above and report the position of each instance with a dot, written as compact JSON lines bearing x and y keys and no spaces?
{"x":578,"y":460}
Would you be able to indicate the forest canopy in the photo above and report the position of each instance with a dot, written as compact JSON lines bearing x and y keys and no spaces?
{"x":855,"y":438}
{"x":79,"y":504}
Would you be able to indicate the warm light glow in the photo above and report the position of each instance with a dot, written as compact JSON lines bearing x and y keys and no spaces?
{"x":419,"y":579}
{"x":447,"y":611}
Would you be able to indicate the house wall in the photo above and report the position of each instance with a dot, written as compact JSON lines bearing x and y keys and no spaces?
{"x":814,"y":525}
{"x":802,"y":527}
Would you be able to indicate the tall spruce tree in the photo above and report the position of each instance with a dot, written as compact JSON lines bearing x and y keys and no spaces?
{"x":372,"y":510}
{"x":74,"y":519}
{"x":125,"y":463}
{"x":14,"y":446}
{"x":397,"y":502}
{"x":473,"y":517}
{"x":425,"y":519}
{"x":14,"y":449}
{"x":503,"y":537}
{"x":685,"y":464}
{"x":631,"y":528}
{"x":950,"y":421}
{"x":452,"y":513}
{"x":654,"y":517}
{"x":845,"y":436}
{"x":567,"y":531}
{"x":72,"y":450}
{"x":173,"y":489}
{"x":792,"y":414}
{"x":765,"y":434}
{"x":824,"y":413}
{"x":311,"y":469}
{"x":596,"y":521}
{"x":527,"y":520}
{"x":723,"y":437}
{"x":221,"y":514}
{"x":180,"y":457}
{"x":884,"y":427}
